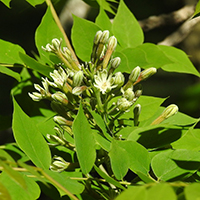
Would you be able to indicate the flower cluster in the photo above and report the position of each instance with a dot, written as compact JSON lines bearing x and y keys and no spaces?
{"x":95,"y":84}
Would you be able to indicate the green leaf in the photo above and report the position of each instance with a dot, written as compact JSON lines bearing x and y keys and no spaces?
{"x":29,"y":138}
{"x":190,"y":141}
{"x":9,"y":53}
{"x":31,"y":192}
{"x":150,"y":55}
{"x":180,"y":61}
{"x":108,"y":178}
{"x":185,"y":155}
{"x":4,"y":194}
{"x":6,"y":2}
{"x":5,"y":155}
{"x":46,"y":31}
{"x":14,"y":175}
{"x":155,"y":136}
{"x":161,"y":191}
{"x":103,"y":21}
{"x":167,"y":169}
{"x":135,"y":152}
{"x":197,"y":10}
{"x":63,"y":178}
{"x":126,"y":28}
{"x":149,"y":106}
{"x":192,"y":191}
{"x":133,"y":193}
{"x":35,"y":2}
{"x":105,"y":144}
{"x":83,"y":33}
{"x":106,"y":6}
{"x":9,"y":72}
{"x":84,"y":141}
{"x":33,"y":64}
{"x":119,"y":166}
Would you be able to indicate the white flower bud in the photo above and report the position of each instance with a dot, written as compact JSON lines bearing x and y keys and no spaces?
{"x":135,"y":74}
{"x":78,"y":78}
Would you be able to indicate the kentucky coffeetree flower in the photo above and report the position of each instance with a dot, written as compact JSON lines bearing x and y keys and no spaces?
{"x":104,"y":82}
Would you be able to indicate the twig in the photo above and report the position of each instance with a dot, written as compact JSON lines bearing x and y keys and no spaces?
{"x":172,"y":18}
{"x":55,"y":16}
{"x":179,"y":35}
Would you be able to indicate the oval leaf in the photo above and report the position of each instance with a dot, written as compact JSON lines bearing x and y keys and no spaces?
{"x":29,"y":138}
{"x":132,"y":34}
{"x":83,"y":33}
{"x":84,"y":141}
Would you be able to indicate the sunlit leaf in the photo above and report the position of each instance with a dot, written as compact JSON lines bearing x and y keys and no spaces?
{"x":84,"y":141}
{"x":83,"y":33}
{"x":197,"y":10}
{"x":9,"y":53}
{"x":134,"y":193}
{"x":192,"y":191}
{"x":132,"y":34}
{"x":161,"y":191}
{"x":29,"y":138}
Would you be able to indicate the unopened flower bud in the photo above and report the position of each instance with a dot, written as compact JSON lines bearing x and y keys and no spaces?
{"x":97,"y":37}
{"x":136,"y":112}
{"x":56,"y":44}
{"x":78,"y":90}
{"x":129,"y":94}
{"x":148,"y":72}
{"x":119,"y":79}
{"x":67,"y":53}
{"x":59,"y":164}
{"x":123,"y":104}
{"x":77,"y":78}
{"x":135,"y":74}
{"x":104,"y":37}
{"x":60,"y":97}
{"x":62,"y":121}
{"x":56,"y":139}
{"x":112,"y":43}
{"x":115,"y":62}
{"x":168,"y":112}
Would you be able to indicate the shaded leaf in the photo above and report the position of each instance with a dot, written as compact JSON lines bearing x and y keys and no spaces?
{"x":106,"y":5}
{"x":166,"y":168}
{"x":155,"y":136}
{"x":108,"y":178}
{"x":132,"y":34}
{"x":4,"y":194}
{"x":9,"y":72}
{"x":31,"y":192}
{"x":29,"y":138}
{"x":84,"y":141}
{"x":14,"y":175}
{"x":83,"y":33}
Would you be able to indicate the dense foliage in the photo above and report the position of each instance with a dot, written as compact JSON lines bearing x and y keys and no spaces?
{"x":88,"y":132}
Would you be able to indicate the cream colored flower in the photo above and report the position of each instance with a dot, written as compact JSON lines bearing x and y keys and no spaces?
{"x":104,"y":82}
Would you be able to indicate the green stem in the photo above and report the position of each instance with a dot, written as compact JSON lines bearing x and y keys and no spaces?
{"x":55,"y":16}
